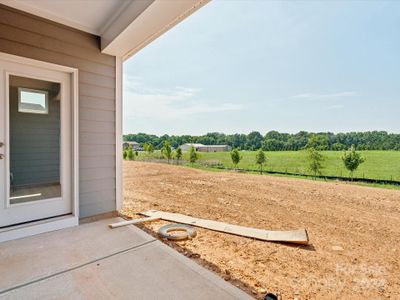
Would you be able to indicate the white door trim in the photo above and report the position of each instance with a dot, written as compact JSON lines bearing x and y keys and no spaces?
{"x":118,"y":133}
{"x":56,"y":223}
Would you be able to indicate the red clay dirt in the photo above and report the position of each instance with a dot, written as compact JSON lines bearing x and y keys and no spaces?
{"x":354,"y":230}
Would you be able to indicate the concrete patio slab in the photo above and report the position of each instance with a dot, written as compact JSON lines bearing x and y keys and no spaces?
{"x":94,"y":262}
{"x":29,"y":259}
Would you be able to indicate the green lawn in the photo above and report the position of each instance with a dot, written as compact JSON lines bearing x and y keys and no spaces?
{"x":383,"y":165}
{"x":377,"y":165}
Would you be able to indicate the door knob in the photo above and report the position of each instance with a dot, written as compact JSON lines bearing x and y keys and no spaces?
{"x":1,"y":144}
{"x":1,"y":156}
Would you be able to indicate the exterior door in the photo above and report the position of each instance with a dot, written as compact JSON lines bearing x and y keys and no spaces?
{"x":35,"y":143}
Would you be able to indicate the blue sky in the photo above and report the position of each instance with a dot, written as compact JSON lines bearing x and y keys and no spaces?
{"x":239,"y":66}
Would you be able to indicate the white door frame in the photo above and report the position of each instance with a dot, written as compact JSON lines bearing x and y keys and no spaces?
{"x":32,"y":228}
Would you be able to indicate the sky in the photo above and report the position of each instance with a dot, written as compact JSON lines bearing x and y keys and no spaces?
{"x":239,"y":66}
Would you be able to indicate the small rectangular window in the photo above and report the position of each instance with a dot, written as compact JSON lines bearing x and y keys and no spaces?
{"x":33,"y":101}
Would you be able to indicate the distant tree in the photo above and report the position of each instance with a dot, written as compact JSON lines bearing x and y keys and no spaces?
{"x":193,"y":156}
{"x":312,"y":142}
{"x":178,"y":154}
{"x":276,"y":141}
{"x":352,"y":160}
{"x":338,"y":147}
{"x":235,"y":156}
{"x":315,"y":160}
{"x":260,"y":159}
{"x":131,"y":155}
{"x":254,"y":140}
{"x":167,"y":150}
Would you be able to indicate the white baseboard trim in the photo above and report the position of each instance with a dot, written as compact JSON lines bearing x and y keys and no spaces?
{"x":34,"y":228}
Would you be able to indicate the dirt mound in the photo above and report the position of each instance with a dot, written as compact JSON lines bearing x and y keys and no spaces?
{"x":354,"y":231}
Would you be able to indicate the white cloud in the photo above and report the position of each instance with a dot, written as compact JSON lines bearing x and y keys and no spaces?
{"x":175,"y":103}
{"x":336,"y":106}
{"x":317,"y":97}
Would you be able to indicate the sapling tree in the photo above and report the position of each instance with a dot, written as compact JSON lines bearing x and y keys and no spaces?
{"x":351,"y":160}
{"x":167,"y":150}
{"x":235,"y":156}
{"x":178,"y":154}
{"x":193,"y":156}
{"x":315,"y":160}
{"x":150,"y":149}
{"x":260,"y":159}
{"x":131,"y":154}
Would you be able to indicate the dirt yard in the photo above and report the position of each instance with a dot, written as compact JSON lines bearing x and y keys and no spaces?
{"x":354,"y":231}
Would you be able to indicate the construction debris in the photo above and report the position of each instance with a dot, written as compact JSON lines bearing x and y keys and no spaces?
{"x":132,"y":222}
{"x":299,"y":236}
{"x":177,"y":232}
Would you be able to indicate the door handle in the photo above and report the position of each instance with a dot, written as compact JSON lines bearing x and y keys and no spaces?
{"x":1,"y":144}
{"x":1,"y":156}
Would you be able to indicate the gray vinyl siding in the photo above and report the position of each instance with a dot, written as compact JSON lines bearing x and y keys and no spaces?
{"x":30,"y":36}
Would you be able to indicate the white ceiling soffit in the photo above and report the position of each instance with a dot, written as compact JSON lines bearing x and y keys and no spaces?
{"x":125,"y":26}
{"x":143,"y":21}
{"x":87,"y":15}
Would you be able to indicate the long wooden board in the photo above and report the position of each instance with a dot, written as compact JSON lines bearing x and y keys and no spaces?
{"x":132,"y":222}
{"x":299,"y":236}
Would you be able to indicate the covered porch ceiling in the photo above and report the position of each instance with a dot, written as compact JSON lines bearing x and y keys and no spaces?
{"x":124,"y":26}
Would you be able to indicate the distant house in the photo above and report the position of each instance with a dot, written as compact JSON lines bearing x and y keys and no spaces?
{"x":134,"y":145}
{"x":206,"y":148}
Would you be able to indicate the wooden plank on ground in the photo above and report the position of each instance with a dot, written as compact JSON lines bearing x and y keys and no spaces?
{"x":299,"y":236}
{"x":132,"y":222}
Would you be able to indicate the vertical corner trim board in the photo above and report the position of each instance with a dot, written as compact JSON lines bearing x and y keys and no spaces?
{"x":298,"y":236}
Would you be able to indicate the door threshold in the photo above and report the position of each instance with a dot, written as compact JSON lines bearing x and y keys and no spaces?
{"x":37,"y":227}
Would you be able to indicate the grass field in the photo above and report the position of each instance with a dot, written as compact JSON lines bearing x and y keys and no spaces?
{"x":377,"y":165}
{"x":384,"y":165}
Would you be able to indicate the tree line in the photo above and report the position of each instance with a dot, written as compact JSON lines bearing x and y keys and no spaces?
{"x":276,"y":141}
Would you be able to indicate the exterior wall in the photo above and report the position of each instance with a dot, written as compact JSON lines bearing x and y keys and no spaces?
{"x":135,"y":146}
{"x":186,"y":147}
{"x":30,"y":36}
{"x":212,"y":148}
{"x":206,"y":148}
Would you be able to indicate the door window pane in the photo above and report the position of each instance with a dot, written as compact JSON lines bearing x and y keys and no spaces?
{"x":34,"y":110}
{"x":33,"y":101}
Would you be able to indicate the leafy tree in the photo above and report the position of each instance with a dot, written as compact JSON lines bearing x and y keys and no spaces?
{"x":193,"y":156}
{"x":131,"y":155}
{"x":260,"y":159}
{"x":254,"y":140}
{"x":167,"y":150}
{"x":235,"y":156}
{"x":178,"y":154}
{"x":312,"y":142}
{"x":125,"y":154}
{"x":150,"y":148}
{"x":315,"y":160}
{"x":352,"y":160}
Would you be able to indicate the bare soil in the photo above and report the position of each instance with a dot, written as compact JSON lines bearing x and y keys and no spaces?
{"x":354,"y":231}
